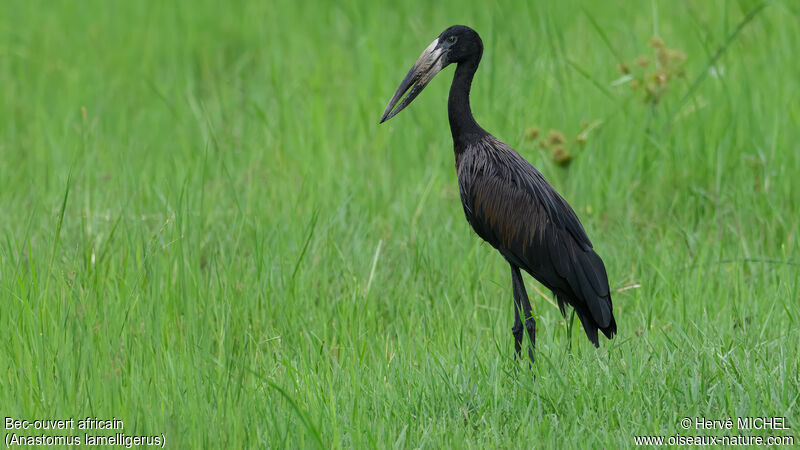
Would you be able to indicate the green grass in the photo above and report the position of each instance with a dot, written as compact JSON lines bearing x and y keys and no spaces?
{"x":205,"y":232}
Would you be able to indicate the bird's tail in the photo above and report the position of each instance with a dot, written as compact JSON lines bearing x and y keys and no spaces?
{"x":590,"y":326}
{"x":590,"y":284}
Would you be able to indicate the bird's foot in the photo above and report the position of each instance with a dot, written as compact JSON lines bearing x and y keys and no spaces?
{"x":530,"y":325}
{"x":517,"y":330}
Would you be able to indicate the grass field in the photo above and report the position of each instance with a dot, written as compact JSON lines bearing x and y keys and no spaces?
{"x":206,"y":234}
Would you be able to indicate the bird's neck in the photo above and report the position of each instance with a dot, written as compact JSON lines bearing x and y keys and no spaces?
{"x":462,"y":124}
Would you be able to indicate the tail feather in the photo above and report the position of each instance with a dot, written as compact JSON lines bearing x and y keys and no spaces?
{"x":592,"y":285}
{"x":611,"y":329}
{"x":589,"y":327}
{"x":586,"y":316}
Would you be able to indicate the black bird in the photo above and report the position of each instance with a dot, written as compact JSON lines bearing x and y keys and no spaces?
{"x":509,"y":203}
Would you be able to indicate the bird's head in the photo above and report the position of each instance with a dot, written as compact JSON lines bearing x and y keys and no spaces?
{"x":456,"y":44}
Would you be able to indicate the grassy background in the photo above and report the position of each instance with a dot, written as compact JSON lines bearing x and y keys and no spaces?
{"x":206,"y":234}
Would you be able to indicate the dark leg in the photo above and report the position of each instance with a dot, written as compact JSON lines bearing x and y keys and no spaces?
{"x":522,"y":308}
{"x":517,"y":330}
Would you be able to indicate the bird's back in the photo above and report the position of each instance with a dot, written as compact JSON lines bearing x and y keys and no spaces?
{"x":511,"y":206}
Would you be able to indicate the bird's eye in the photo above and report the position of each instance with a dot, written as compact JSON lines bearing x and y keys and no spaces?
{"x":451,"y":39}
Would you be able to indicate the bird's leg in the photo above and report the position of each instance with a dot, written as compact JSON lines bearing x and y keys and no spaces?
{"x":517,"y":330}
{"x":522,"y":306}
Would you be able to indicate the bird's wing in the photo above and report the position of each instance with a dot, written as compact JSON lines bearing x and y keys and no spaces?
{"x":511,"y":206}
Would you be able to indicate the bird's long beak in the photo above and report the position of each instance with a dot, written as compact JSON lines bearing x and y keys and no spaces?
{"x":430,"y":62}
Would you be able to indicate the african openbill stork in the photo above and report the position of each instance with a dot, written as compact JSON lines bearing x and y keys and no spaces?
{"x":509,"y":203}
